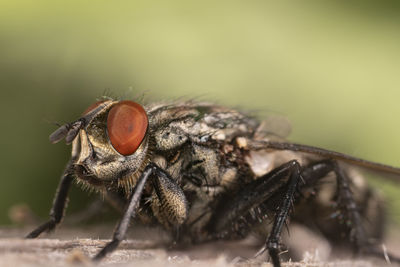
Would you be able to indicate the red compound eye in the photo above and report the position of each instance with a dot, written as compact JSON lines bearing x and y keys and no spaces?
{"x":92,"y":106}
{"x":127,"y":125}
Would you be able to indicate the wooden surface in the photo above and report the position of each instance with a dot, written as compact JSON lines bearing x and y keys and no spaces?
{"x":146,"y":247}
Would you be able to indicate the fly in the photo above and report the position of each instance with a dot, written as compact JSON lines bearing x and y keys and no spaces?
{"x":211,"y":172}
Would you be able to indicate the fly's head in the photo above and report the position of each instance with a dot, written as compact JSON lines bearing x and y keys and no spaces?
{"x":109,"y":143}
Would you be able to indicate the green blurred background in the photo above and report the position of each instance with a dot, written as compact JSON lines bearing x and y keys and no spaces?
{"x":332,"y":68}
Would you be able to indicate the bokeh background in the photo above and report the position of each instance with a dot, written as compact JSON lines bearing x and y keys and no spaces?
{"x":332,"y":68}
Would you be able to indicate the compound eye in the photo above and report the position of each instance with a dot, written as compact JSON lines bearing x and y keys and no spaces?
{"x":126,"y":126}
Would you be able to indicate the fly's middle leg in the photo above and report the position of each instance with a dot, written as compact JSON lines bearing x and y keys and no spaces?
{"x":282,"y":179}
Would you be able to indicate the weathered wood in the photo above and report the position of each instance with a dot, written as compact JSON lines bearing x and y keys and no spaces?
{"x":74,"y":247}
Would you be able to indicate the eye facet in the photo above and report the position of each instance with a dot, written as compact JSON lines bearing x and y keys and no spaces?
{"x":127,"y":124}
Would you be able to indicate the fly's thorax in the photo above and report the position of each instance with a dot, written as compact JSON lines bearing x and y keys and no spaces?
{"x":168,"y":138}
{"x":198,"y":133}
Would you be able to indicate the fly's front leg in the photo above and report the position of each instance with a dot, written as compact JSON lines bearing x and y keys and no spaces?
{"x":59,"y":203}
{"x":169,"y":203}
{"x":130,"y":212}
{"x":170,"y":199}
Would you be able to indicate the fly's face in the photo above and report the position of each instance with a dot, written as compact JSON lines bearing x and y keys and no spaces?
{"x":110,"y":145}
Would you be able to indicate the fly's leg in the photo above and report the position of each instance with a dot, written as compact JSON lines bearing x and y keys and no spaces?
{"x":169,"y":198}
{"x":352,"y":214}
{"x":283,"y":215}
{"x":284,"y":178}
{"x":347,"y":206}
{"x":130,"y":212}
{"x":169,"y":204}
{"x":344,"y":199}
{"x":59,"y":203}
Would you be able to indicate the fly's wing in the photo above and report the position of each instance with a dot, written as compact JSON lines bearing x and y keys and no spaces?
{"x":392,"y":173}
{"x":273,"y":127}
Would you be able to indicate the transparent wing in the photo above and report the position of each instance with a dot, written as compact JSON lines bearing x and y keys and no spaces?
{"x":274,"y":125}
{"x":392,"y":173}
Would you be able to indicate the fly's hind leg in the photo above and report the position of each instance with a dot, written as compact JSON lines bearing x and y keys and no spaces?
{"x":347,"y":209}
{"x":283,"y":182}
{"x":349,"y":212}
